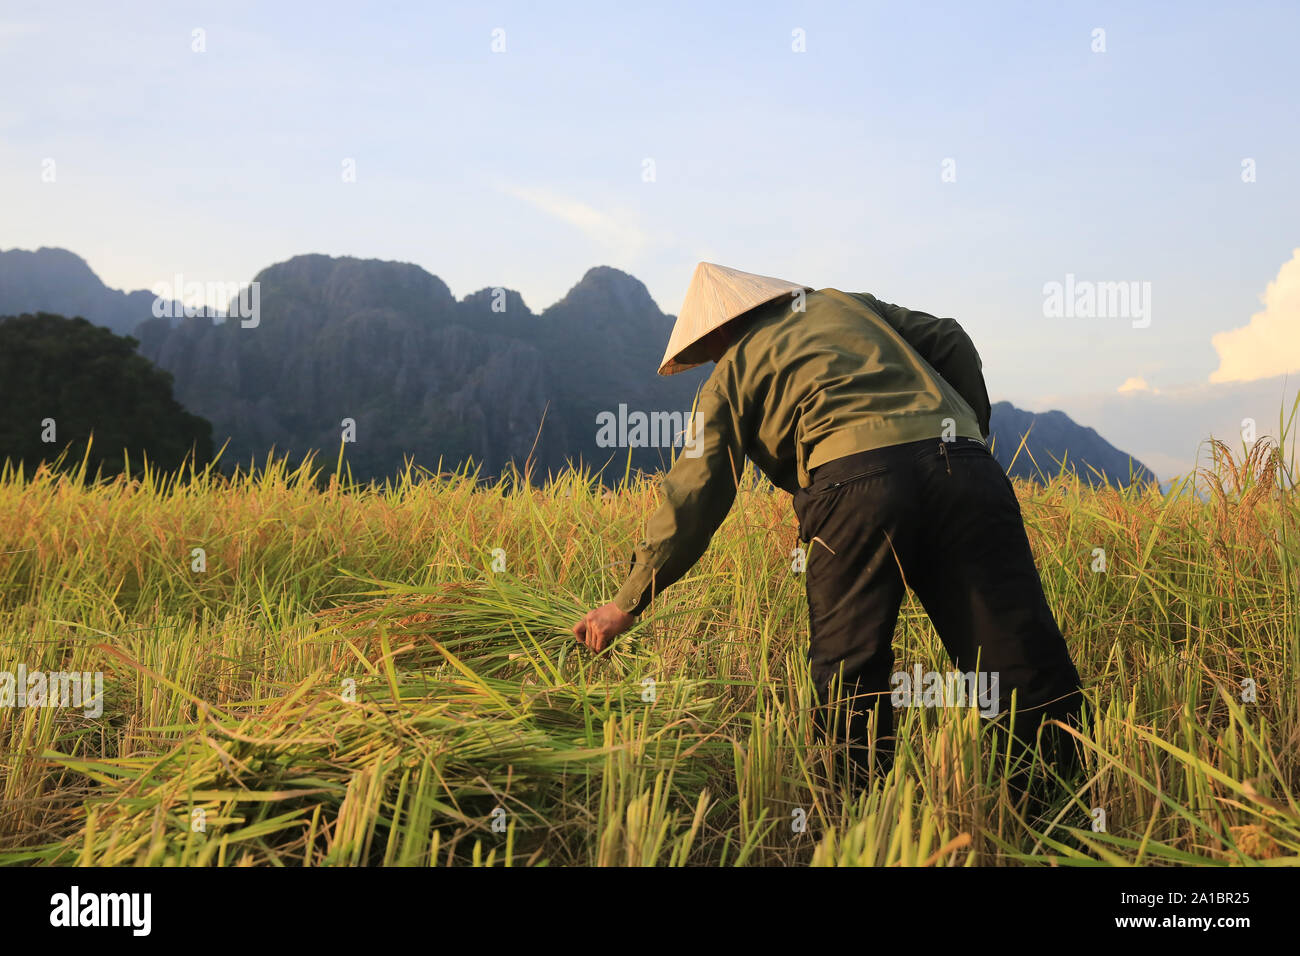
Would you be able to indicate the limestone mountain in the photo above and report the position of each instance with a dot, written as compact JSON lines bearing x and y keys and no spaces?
{"x":1054,"y":437}
{"x":422,"y":374}
{"x":58,"y":281}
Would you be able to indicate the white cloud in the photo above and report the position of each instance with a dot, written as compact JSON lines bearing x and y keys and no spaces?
{"x":1136,"y":383}
{"x":1166,"y":429}
{"x":1270,"y":344}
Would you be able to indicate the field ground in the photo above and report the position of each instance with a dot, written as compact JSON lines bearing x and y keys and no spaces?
{"x":348,"y":680}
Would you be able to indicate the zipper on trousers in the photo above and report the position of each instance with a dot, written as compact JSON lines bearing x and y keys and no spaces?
{"x":842,"y":481}
{"x":943,"y":450}
{"x":862,"y":474}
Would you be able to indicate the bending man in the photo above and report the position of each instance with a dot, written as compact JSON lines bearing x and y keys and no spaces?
{"x":874,"y":418}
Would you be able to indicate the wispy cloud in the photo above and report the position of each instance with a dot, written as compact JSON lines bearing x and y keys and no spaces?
{"x":613,"y":229}
{"x":1270,"y":343}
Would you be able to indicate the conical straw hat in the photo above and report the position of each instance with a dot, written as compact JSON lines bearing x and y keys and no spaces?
{"x":716,"y":296}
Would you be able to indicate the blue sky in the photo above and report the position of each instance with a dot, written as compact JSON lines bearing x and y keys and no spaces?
{"x":526,"y":167}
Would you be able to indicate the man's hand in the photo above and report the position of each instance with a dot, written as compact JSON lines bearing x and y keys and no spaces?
{"x":598,"y":628}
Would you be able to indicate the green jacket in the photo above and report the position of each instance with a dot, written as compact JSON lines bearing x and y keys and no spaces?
{"x":796,"y":389}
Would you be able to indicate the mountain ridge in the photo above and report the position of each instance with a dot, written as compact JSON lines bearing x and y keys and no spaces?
{"x":423,"y":374}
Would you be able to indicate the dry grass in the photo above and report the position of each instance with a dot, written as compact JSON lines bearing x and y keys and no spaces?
{"x":350,"y":682}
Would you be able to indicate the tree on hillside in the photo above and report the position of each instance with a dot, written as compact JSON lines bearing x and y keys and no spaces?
{"x":66,"y":380}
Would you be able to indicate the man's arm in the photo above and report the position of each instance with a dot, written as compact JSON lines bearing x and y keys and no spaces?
{"x":697,"y":494}
{"x":946,"y":346}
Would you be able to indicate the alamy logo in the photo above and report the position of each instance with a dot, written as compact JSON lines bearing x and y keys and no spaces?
{"x":922,"y":688}
{"x":75,"y":908}
{"x":1098,"y":300}
{"x":26,"y":688}
{"x":243,"y":301}
{"x":653,"y":430}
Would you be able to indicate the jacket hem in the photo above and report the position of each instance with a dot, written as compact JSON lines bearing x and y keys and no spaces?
{"x":849,"y":441}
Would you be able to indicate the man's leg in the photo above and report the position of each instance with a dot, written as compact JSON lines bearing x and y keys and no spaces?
{"x":976,"y":577}
{"x":856,"y":514}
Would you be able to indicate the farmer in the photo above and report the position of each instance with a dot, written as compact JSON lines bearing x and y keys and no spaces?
{"x":874,"y":418}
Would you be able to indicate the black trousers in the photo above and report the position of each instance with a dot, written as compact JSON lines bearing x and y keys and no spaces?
{"x":941,"y":518}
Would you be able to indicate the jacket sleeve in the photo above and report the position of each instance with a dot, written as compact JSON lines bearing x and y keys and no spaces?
{"x":697,"y":493}
{"x":946,"y":346}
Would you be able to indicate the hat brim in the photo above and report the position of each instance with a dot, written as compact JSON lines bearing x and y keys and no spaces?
{"x":692,"y":354}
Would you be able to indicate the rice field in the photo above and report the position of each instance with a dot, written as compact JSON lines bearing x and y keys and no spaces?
{"x":300,"y":671}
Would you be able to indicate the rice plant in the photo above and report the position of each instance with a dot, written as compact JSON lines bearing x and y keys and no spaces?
{"x":302,"y":671}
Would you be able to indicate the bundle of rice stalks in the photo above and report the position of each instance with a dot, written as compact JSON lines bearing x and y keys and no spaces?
{"x":503,"y":747}
{"x":498,"y":626}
